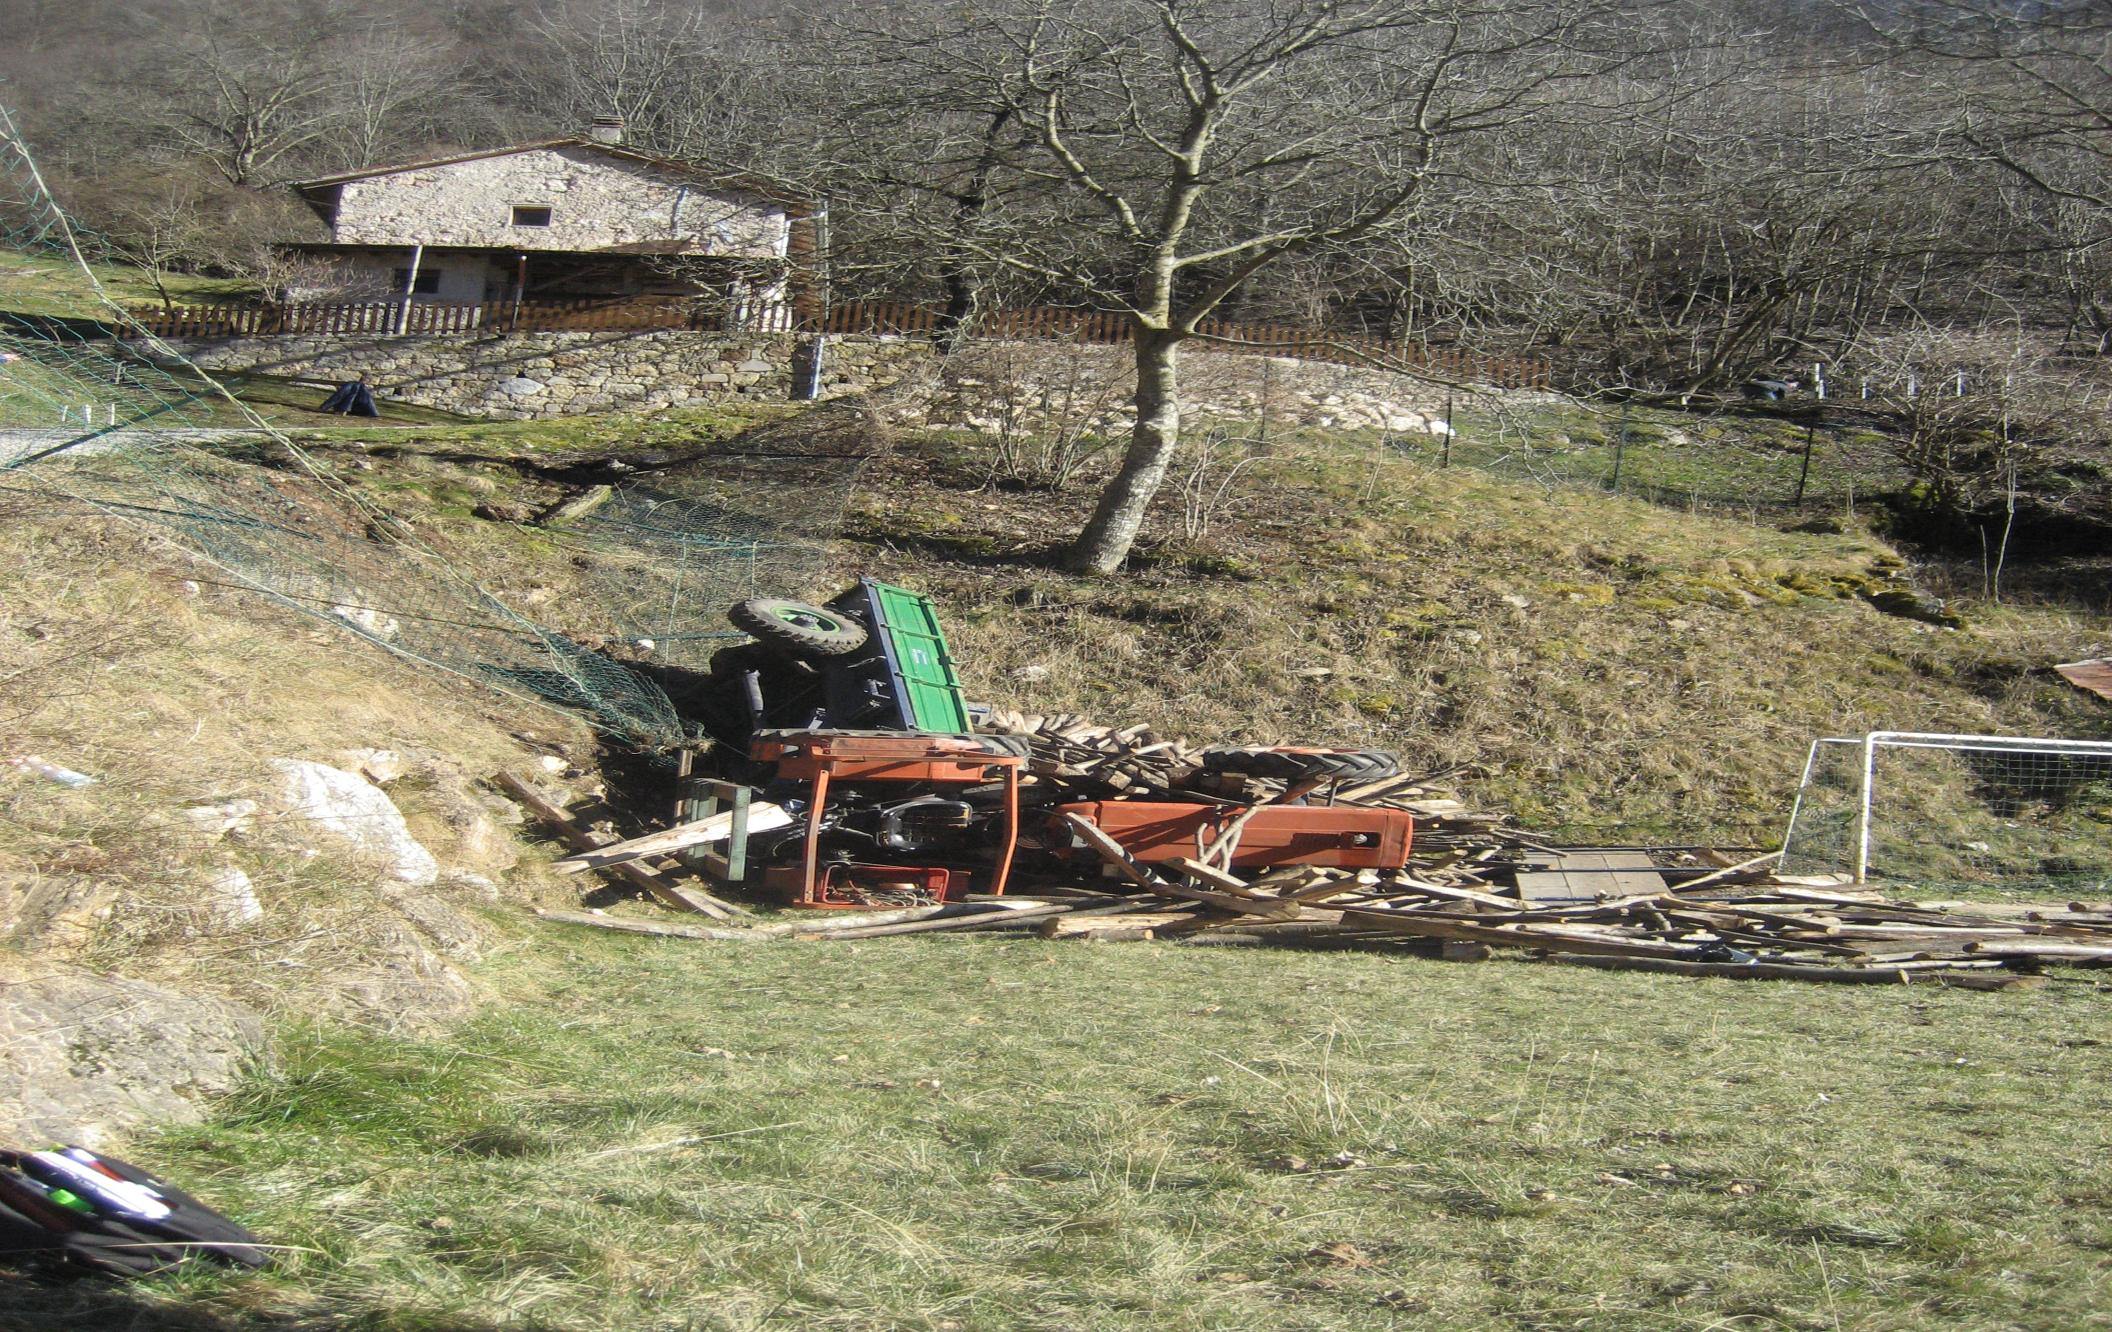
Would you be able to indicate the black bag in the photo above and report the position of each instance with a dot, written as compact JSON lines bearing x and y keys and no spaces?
{"x":353,"y":398}
{"x":84,"y":1237}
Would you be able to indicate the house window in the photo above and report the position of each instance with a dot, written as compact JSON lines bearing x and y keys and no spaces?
{"x":531,"y":215}
{"x":428,"y":283}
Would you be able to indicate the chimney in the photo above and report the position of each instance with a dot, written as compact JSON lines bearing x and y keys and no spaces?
{"x":606,"y":129}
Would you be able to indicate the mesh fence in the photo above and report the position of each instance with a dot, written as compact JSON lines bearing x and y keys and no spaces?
{"x":1727,"y":459}
{"x":125,"y":425}
{"x":1957,"y":811}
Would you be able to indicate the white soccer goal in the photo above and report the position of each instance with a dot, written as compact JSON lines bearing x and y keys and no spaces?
{"x":1954,"y":809}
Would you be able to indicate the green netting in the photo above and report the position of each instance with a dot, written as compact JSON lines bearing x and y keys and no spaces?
{"x":95,"y":411}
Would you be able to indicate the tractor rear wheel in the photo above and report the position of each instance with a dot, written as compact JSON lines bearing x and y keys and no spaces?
{"x":1018,"y":746}
{"x":1304,"y":765}
{"x":798,"y":628}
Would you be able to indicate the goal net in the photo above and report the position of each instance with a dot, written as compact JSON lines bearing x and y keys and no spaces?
{"x":1960,"y":810}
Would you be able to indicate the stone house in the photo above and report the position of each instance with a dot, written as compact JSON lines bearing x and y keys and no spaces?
{"x":569,"y":218}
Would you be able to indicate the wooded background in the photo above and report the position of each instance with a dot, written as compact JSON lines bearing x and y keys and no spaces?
{"x":1713,"y":188}
{"x":1664,"y":197}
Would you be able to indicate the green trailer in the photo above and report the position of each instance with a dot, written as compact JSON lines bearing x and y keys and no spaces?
{"x":882,"y":658}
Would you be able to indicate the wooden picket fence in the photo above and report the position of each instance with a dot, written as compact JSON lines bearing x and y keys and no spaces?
{"x":851,"y":318}
{"x":430,"y":317}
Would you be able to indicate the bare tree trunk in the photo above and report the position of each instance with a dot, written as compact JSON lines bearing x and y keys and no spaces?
{"x":1105,"y":541}
{"x":962,"y":286}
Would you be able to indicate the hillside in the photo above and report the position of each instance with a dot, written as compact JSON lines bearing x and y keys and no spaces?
{"x":471,"y":1119}
{"x":1606,"y":667}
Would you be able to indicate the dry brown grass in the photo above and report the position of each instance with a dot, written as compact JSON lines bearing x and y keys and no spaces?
{"x":1604,"y":666}
{"x":119,"y":658}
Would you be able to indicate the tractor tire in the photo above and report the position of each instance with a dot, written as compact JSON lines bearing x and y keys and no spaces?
{"x":797,"y":628}
{"x":1304,"y":765}
{"x":1017,"y":746}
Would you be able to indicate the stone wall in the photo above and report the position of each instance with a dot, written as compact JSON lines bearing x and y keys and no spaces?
{"x":1002,"y":387}
{"x":989,"y":386}
{"x":528,"y":376}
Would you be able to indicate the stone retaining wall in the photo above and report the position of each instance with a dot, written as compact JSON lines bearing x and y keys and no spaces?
{"x":987,"y":386}
{"x":527,"y":376}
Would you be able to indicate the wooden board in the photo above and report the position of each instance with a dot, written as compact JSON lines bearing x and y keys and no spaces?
{"x":1585,"y":876}
{"x":679,"y":896}
{"x":762,"y":817}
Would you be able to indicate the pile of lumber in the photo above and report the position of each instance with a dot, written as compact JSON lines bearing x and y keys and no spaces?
{"x":1089,"y":761}
{"x":1474,"y":885}
{"x":644,"y":863}
{"x":1739,"y":921}
{"x":1099,"y":762}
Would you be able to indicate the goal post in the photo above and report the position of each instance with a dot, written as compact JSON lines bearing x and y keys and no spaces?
{"x":1957,"y":809}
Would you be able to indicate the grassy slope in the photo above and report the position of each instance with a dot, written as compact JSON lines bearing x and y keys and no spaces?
{"x":1606,"y":667}
{"x":1111,"y":1136}
{"x":175,"y":694}
{"x":40,"y":285}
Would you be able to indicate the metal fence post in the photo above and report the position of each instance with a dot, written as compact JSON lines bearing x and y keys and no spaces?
{"x":1811,"y":431}
{"x":1620,"y":450}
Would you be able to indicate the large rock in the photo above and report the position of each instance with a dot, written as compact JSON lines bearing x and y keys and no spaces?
{"x":349,"y":808}
{"x":463,"y":824}
{"x":84,"y":1058}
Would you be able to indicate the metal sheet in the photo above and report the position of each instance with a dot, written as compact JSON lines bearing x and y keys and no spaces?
{"x":2095,"y":676}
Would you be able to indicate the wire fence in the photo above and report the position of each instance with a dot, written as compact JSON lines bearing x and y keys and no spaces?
{"x":1955,"y":811}
{"x":132,"y":429}
{"x":1724,"y":459}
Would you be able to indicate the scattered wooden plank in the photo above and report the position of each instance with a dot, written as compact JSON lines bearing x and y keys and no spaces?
{"x":1210,"y":876}
{"x":983,"y":916}
{"x":1729,"y":872}
{"x":678,"y":896}
{"x":659,"y":928}
{"x":1596,"y":874}
{"x":1446,"y":893}
{"x":1111,"y":851}
{"x":1963,"y":980}
{"x":577,"y":507}
{"x":1071,"y":924}
{"x":1543,"y":937}
{"x":2067,"y":953}
{"x":762,"y":817}
{"x":1382,"y":788}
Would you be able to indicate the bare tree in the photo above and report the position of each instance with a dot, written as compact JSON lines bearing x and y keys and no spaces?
{"x":247,"y":92}
{"x":160,"y":228}
{"x":395,"y":93}
{"x":2024,"y":91}
{"x":682,"y":83}
{"x":1178,"y":148}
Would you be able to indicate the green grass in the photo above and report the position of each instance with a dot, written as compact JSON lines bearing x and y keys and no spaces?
{"x":49,"y":286}
{"x":1713,"y":460}
{"x":984,"y":1134}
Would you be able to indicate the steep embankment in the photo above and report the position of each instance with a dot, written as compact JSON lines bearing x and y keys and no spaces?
{"x":192,"y":864}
